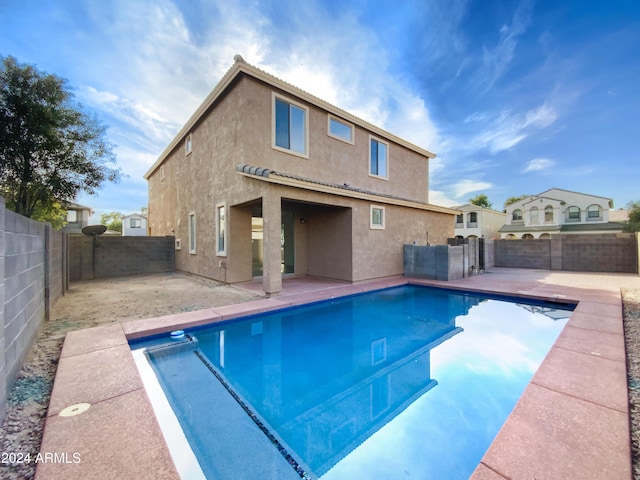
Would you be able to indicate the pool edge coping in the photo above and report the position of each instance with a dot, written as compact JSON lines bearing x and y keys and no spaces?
{"x":498,"y":462}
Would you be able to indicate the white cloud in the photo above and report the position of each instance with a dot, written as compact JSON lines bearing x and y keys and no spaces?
{"x":496,"y":60}
{"x":465,"y":187}
{"x":438,"y":197}
{"x":541,"y":117}
{"x":507,"y":129}
{"x":538,"y":164}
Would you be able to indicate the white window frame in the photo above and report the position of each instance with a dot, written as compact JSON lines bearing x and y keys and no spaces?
{"x":549,"y":210}
{"x":282,"y":98}
{"x":135,"y":222}
{"x":333,"y":118}
{"x":592,"y":218}
{"x":379,"y":140}
{"x":192,"y":236}
{"x":222,"y":252}
{"x":188,"y":145}
{"x":377,"y":226}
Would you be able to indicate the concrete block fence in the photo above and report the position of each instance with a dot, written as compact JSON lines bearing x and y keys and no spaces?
{"x":117,"y":256}
{"x":615,"y":253}
{"x":32,"y":279}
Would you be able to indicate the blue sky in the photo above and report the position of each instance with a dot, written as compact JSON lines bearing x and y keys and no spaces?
{"x":515,"y":97}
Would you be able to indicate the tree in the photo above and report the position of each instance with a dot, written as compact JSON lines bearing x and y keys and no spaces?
{"x":511,"y":200}
{"x":633,"y":225}
{"x":50,"y":149}
{"x":112,"y":220}
{"x":481,"y":200}
{"x":53,"y":213}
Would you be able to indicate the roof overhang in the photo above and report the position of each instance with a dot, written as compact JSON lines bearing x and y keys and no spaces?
{"x":271,"y":176}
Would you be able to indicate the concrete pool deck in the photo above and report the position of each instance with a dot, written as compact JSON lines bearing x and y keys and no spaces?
{"x":572,"y":421}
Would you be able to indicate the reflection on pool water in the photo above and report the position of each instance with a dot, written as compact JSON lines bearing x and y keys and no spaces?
{"x":405,"y":382}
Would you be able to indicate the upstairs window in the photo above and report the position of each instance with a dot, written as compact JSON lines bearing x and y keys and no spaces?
{"x":573,"y":214}
{"x":135,"y":223}
{"x":534,"y":215}
{"x":460,"y":219}
{"x":548,"y":214}
{"x":72,"y":216}
{"x":290,"y":126}
{"x":188,"y":145}
{"x":378,"y":158}
{"x":594,"y":212}
{"x":516,"y":216}
{"x":340,"y":130}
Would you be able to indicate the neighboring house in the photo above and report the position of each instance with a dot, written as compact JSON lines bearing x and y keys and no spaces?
{"x":266,"y":179}
{"x":134,"y":225}
{"x":478,"y":222}
{"x":559,"y":211}
{"x":619,"y":215}
{"x":77,"y":217}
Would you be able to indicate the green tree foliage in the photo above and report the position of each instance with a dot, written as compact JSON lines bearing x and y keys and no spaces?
{"x":54,"y":213}
{"x":481,"y":200}
{"x":50,"y":150}
{"x":633,"y":225}
{"x":112,"y":220}
{"x":511,"y":200}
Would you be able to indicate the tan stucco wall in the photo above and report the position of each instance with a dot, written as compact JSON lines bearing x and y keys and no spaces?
{"x":238,"y":130}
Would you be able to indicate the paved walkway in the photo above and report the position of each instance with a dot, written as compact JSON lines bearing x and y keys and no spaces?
{"x":571,"y":422}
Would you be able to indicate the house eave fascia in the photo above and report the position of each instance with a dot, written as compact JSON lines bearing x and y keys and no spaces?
{"x":305,"y":185}
{"x":240,"y":66}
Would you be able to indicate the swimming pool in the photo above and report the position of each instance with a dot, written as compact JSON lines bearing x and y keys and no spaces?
{"x":407,"y":381}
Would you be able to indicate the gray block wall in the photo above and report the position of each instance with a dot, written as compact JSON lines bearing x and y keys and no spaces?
{"x":3,"y":365}
{"x":119,"y":256}
{"x":616,"y":253}
{"x":437,"y":262}
{"x":523,"y":253}
{"x":600,"y":253}
{"x":32,"y":276}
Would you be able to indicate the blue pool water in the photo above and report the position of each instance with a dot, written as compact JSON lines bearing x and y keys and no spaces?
{"x":405,"y":382}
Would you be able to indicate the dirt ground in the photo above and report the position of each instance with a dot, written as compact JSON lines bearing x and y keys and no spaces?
{"x":89,"y":304}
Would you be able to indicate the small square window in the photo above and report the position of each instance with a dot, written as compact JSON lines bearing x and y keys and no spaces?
{"x":72,"y":216}
{"x":377,"y":217}
{"x":188,"y":144}
{"x":378,"y":158}
{"x":340,"y":130}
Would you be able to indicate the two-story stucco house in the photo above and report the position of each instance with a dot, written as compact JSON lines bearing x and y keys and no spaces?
{"x":266,"y":180}
{"x":475,"y":221}
{"x":559,"y":211}
{"x":135,"y":225}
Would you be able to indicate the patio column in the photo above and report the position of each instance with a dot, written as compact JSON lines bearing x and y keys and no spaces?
{"x":272,"y":225}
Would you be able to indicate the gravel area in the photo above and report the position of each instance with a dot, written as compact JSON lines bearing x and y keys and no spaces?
{"x":631,"y":303}
{"x":98,"y":302}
